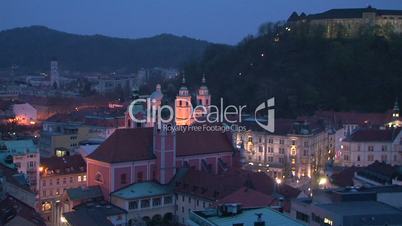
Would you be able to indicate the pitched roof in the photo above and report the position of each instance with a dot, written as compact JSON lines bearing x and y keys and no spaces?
{"x":63,"y":165}
{"x":125,"y":145}
{"x":135,"y":144}
{"x":374,"y":135}
{"x":11,"y":206}
{"x":248,"y":198}
{"x":214,"y":187}
{"x":345,"y":177}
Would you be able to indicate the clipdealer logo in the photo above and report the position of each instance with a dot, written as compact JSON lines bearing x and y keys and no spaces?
{"x":230,"y":116}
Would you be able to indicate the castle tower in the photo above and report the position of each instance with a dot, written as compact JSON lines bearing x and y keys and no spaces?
{"x":165,"y":152}
{"x":203,"y":97}
{"x":54,"y":74}
{"x":183,"y":106}
{"x":395,"y":110}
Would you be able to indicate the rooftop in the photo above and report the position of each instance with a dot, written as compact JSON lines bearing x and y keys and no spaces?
{"x":360,"y":208}
{"x":63,"y":165}
{"x":16,"y":147}
{"x":374,"y":135}
{"x":80,"y":193}
{"x":141,"y":190}
{"x":248,"y":198}
{"x":13,"y":212}
{"x":248,"y":217}
{"x":93,"y":214}
{"x":137,"y":144}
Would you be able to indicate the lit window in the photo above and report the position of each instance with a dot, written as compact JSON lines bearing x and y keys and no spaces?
{"x":84,"y":178}
{"x":46,"y":206}
{"x":79,"y":179}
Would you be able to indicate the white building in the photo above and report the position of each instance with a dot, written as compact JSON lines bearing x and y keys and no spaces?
{"x":365,"y":146}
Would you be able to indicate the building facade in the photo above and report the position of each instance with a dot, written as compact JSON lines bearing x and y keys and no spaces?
{"x":352,"y":22}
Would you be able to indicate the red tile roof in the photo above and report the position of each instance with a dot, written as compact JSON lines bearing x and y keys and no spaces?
{"x":125,"y":145}
{"x":248,"y":198}
{"x":63,"y":165}
{"x":374,"y":135}
{"x":135,"y":144}
{"x":215,"y":187}
{"x":345,"y":177}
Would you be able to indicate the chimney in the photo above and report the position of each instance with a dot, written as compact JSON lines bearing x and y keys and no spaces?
{"x":259,"y":221}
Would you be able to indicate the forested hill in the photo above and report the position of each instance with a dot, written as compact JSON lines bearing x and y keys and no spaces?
{"x":31,"y":48}
{"x":305,"y":72}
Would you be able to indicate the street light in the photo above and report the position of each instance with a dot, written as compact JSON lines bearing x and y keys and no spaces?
{"x":278,"y":180}
{"x":323,"y":181}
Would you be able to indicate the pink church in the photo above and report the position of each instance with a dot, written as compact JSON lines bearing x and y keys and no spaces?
{"x":143,"y":154}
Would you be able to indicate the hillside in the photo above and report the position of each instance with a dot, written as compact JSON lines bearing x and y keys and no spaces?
{"x":31,"y":48}
{"x":305,"y":72}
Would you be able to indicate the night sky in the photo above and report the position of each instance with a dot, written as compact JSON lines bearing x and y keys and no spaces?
{"x":222,"y":21}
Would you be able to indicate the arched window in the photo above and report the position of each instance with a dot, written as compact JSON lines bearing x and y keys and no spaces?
{"x":99,"y":177}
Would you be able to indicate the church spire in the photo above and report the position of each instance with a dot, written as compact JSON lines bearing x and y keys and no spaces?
{"x":395,"y":110}
{"x":203,"y":79}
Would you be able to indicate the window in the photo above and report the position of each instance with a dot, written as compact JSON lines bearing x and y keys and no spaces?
{"x":384,"y":148}
{"x":44,"y":183}
{"x":43,"y":193}
{"x":384,"y":158}
{"x":270,"y":159}
{"x":58,"y":181}
{"x":281,"y":160}
{"x":50,"y":182}
{"x":281,"y":141}
{"x":140,"y":176}
{"x":132,"y":205}
{"x":301,"y":216}
{"x":346,"y":157}
{"x":156,"y":201}
{"x":271,"y":141}
{"x":71,"y":180}
{"x":370,"y":158}
{"x":261,"y":148}
{"x":270,"y":150}
{"x":358,"y":158}
{"x":123,"y":178}
{"x":305,"y":153}
{"x":189,"y":199}
{"x":168,"y":200}
{"x":64,"y":180}
{"x":84,"y":178}
{"x":80,"y":179}
{"x":305,"y":144}
{"x":145,"y":203}
{"x":370,"y":148}
{"x":282,"y":151}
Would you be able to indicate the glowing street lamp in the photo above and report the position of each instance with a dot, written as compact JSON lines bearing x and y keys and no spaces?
{"x":322,"y":181}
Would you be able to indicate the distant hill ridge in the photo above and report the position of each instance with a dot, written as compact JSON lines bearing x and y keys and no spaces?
{"x":31,"y":48}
